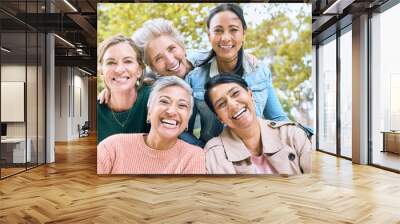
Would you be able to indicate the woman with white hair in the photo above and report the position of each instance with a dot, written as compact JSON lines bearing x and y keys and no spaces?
{"x":160,"y":151}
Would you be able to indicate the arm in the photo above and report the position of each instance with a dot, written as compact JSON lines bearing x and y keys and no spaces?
{"x":104,"y":96}
{"x":104,"y":160}
{"x":273,"y":108}
{"x":196,"y":57}
{"x":304,"y":149}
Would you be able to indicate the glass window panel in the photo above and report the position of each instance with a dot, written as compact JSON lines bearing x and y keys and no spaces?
{"x":346,"y":94}
{"x":31,"y":97}
{"x":385,"y":89}
{"x":327,"y":97}
{"x":41,"y":99}
{"x":13,"y":85}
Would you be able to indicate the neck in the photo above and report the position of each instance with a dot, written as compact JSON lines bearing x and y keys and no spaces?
{"x":251,"y":137}
{"x":154,"y":141}
{"x":227,"y":65}
{"x":122,"y":101}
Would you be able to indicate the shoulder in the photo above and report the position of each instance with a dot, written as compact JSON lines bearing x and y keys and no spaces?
{"x":288,"y":130}
{"x":102,"y":106}
{"x":144,"y":90}
{"x":216,"y":159}
{"x":119,"y":140}
{"x":199,"y":72}
{"x":189,"y":148}
{"x":277,"y":124}
{"x":191,"y":151}
{"x":214,"y":147}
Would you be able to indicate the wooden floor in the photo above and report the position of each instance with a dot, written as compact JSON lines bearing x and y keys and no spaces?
{"x":69,"y":191}
{"x":387,"y":159}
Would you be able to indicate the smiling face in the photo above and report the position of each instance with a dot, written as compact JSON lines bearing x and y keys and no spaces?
{"x":226,"y":35}
{"x":169,"y":113}
{"x":167,"y":57}
{"x":120,"y":68}
{"x":233,"y":105}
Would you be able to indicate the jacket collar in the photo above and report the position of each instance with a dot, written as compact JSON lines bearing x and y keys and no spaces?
{"x":236,"y":150}
{"x":247,"y":67}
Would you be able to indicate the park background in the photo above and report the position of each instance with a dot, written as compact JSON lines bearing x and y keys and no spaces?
{"x":279,"y":35}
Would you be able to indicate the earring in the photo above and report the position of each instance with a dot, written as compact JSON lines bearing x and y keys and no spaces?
{"x":148,"y":121}
{"x":186,"y":129}
{"x":137,"y":83}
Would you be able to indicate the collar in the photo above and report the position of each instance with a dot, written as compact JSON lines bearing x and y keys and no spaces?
{"x":247,"y":67}
{"x":235,"y":149}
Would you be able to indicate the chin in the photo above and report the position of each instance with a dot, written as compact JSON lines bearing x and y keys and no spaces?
{"x":166,"y":135}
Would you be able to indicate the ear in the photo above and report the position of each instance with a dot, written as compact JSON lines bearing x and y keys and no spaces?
{"x":250,"y":92}
{"x":99,"y":70}
{"x":208,"y":34}
{"x":148,"y":117}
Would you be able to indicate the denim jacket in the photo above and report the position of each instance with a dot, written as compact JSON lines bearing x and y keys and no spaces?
{"x":258,"y":78}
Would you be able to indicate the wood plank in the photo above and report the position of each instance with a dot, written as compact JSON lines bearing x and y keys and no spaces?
{"x":69,"y":191}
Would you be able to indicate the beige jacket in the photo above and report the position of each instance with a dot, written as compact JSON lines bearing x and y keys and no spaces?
{"x":286,"y":147}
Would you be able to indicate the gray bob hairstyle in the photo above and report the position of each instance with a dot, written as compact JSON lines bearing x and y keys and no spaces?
{"x":167,"y":81}
{"x":152,"y":29}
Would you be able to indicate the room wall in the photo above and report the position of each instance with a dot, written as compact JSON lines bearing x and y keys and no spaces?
{"x":71,"y":102}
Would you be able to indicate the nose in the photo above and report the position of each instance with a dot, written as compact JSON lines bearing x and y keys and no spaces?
{"x":169,"y":59}
{"x":232,"y":103}
{"x":120,"y":68}
{"x":171,"y":110}
{"x":225,"y":36}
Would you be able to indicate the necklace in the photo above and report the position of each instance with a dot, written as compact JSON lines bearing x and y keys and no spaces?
{"x":122,"y":124}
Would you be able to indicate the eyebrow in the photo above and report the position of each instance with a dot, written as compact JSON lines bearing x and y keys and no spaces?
{"x":127,"y":57}
{"x":179,"y":100}
{"x":160,"y":54}
{"x":229,"y":91}
{"x":220,"y":26}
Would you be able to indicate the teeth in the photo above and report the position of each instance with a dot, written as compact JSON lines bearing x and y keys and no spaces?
{"x":226,"y":46}
{"x":237,"y":115}
{"x":170,"y":122}
{"x":175,"y":67}
{"x":120,"y":78}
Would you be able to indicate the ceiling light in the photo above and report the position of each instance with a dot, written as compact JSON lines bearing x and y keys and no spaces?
{"x":70,"y":5}
{"x":338,"y":6}
{"x":86,"y":72}
{"x":5,"y":49}
{"x":65,"y":41}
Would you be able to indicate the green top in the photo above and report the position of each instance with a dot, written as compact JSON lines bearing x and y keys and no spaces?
{"x":130,"y":121}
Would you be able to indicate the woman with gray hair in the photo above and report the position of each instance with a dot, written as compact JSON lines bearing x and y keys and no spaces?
{"x":163,"y":48}
{"x":159,"y":152}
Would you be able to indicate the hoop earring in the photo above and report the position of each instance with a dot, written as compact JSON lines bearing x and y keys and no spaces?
{"x":147,"y":121}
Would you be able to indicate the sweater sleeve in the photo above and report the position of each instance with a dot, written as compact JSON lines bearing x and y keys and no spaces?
{"x":197,"y":162}
{"x":104,"y":159}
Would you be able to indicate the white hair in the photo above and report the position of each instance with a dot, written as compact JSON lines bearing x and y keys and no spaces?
{"x":167,"y":81}
{"x":152,"y":29}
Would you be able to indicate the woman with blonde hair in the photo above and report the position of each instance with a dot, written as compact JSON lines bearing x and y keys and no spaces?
{"x":121,"y":65}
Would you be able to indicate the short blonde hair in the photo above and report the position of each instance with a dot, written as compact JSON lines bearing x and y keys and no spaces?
{"x":152,"y":29}
{"x":114,"y":40}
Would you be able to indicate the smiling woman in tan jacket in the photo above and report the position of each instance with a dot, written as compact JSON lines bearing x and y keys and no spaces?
{"x":251,"y":145}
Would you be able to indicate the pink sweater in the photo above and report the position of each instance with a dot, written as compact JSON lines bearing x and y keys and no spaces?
{"x":129,"y":154}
